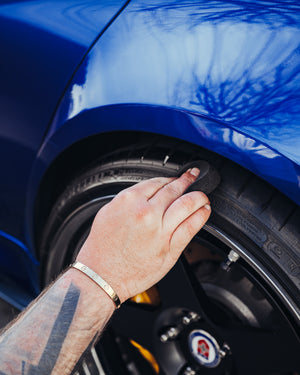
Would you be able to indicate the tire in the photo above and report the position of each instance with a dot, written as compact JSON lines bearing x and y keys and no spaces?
{"x":247,"y":214}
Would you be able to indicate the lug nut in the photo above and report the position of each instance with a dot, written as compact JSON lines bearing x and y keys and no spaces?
{"x":232,"y":258}
{"x":189,"y":318}
{"x":189,"y":371}
{"x":224,"y":350}
{"x":170,"y":334}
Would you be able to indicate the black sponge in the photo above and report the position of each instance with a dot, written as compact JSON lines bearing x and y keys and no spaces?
{"x":208,"y":179}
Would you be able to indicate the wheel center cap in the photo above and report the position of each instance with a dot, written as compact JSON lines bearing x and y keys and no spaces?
{"x":204,"y":348}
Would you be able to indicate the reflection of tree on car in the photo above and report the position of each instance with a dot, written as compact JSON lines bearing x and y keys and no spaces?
{"x":267,"y":12}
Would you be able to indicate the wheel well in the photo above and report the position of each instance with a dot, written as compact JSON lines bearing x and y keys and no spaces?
{"x":70,"y":163}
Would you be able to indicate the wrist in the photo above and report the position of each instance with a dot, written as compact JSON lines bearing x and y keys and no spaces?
{"x":98,"y":281}
{"x":91,"y":293}
{"x":104,"y":269}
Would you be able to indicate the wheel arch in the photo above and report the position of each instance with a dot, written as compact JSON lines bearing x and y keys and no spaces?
{"x":93,"y":133}
{"x":64,"y":168}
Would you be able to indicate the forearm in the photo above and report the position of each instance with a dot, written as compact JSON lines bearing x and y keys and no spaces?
{"x":54,"y":332}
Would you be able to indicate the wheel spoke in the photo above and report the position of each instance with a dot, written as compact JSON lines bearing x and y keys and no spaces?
{"x":181,"y":288}
{"x":263,"y":351}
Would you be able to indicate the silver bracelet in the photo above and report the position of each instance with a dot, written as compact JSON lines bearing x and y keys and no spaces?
{"x":99,"y":281}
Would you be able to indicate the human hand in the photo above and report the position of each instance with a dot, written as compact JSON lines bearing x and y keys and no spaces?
{"x":137,"y":237}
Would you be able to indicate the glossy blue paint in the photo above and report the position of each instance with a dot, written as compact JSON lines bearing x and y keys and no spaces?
{"x":199,"y":129}
{"x":18,"y":271}
{"x":236,"y":62}
{"x":41,"y":44}
{"x":221,"y":74}
{"x":20,"y":245}
{"x":18,"y":276}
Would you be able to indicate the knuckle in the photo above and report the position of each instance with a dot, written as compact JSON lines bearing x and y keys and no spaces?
{"x":187,"y":178}
{"x":203,"y":196}
{"x":173,"y":190}
{"x":127,"y":195}
{"x":187,"y":203}
{"x":189,"y":228}
{"x":184,"y":181}
{"x":200,"y":197}
{"x":160,"y":180}
{"x":145,"y":214}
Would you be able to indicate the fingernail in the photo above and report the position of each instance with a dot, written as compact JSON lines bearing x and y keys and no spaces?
{"x":207,"y":206}
{"x":195,"y":172}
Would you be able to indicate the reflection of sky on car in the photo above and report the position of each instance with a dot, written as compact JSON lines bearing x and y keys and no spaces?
{"x":233,"y":61}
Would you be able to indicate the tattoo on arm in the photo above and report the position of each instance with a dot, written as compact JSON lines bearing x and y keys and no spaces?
{"x":57,"y":335}
{"x":78,"y":367}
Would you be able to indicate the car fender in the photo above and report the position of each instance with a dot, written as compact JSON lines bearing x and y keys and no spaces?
{"x":225,"y":78}
{"x":198,"y":129}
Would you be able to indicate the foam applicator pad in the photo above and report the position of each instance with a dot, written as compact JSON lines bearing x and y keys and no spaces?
{"x":208,"y":179}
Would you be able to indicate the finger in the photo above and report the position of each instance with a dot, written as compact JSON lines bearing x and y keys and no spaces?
{"x":182,"y":208}
{"x":188,"y":229}
{"x":149,"y":187}
{"x":170,"y":192}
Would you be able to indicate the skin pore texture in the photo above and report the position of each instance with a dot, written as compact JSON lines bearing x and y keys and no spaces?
{"x":134,"y":241}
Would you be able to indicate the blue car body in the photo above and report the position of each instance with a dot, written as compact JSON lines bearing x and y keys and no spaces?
{"x":223,"y":75}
